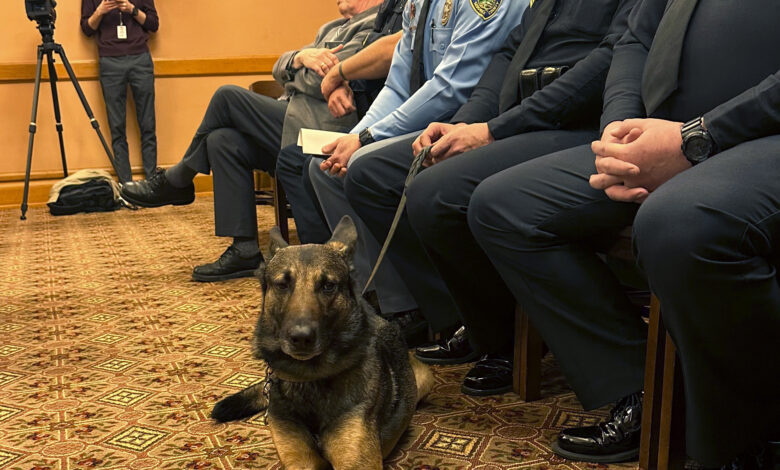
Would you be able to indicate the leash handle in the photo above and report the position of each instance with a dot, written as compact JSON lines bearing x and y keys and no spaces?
{"x":413,"y":170}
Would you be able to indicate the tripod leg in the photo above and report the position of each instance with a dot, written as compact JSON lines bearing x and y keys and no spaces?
{"x":95,"y":125}
{"x":33,"y":128}
{"x":56,"y":100}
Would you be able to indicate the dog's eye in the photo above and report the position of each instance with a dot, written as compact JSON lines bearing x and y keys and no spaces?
{"x":328,"y":287}
{"x":281,"y":285}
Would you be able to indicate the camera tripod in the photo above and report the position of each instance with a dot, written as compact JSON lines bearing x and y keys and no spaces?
{"x":48,"y":47}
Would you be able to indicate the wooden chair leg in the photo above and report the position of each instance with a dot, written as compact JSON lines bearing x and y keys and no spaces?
{"x":280,"y":210}
{"x":662,"y":444}
{"x":527,"y":369}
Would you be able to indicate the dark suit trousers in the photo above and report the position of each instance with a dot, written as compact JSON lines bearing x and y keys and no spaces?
{"x":707,"y":240}
{"x":437,"y":205}
{"x":240,"y":132}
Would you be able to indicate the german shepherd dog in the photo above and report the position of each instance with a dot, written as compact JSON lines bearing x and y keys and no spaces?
{"x":344,"y":387}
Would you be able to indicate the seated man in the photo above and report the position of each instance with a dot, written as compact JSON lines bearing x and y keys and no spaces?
{"x":706,"y":233}
{"x":499,"y":127}
{"x":446,"y":46}
{"x":242,"y":131}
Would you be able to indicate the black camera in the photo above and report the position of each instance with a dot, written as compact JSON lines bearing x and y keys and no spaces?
{"x":41,"y":11}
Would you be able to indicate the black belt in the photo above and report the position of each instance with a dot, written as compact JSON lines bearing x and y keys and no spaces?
{"x":533,"y":80}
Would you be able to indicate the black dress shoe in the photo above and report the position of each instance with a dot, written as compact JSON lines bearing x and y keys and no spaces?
{"x":413,"y":326}
{"x":491,"y":375}
{"x":614,"y":440}
{"x":455,"y":350}
{"x":231,"y":265}
{"x":157,"y":191}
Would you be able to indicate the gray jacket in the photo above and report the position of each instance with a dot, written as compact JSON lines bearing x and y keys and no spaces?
{"x":307,"y":106}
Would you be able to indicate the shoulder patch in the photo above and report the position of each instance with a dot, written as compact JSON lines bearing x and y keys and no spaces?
{"x":486,"y":9}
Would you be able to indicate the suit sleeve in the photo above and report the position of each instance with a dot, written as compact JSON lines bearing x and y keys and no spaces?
{"x":750,"y":115}
{"x":623,"y":90}
{"x":570,"y":96}
{"x":471,"y":46}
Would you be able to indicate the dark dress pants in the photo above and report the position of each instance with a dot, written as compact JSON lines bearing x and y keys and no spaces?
{"x":536,"y":222}
{"x":292,"y":171}
{"x":116,"y":73}
{"x":709,"y":242}
{"x":240,"y":132}
{"x":437,"y":205}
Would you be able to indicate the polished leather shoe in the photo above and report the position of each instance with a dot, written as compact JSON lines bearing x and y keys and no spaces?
{"x":455,"y":350}
{"x":491,"y":375}
{"x":413,"y":326}
{"x":156,"y":191}
{"x":614,"y":440}
{"x":231,"y":265}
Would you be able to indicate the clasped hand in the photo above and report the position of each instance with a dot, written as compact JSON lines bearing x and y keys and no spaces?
{"x":340,"y":152}
{"x":636,"y":156}
{"x":318,"y":60}
{"x":449,"y":140}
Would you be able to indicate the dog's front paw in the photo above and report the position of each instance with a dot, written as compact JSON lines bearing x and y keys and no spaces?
{"x":238,"y":406}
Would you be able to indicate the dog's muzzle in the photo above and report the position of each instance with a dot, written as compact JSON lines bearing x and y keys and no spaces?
{"x":300,"y":342}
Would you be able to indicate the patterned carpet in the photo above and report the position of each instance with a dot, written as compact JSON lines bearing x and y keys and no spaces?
{"x":111,"y":357}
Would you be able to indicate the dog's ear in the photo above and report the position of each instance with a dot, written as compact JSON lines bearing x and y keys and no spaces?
{"x":344,"y":237}
{"x":277,"y":241}
{"x":260,"y":275}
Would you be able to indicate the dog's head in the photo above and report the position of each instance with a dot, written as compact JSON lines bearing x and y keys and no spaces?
{"x":311,"y":316}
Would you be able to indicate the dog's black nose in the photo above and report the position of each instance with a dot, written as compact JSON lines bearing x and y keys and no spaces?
{"x":302,"y":337}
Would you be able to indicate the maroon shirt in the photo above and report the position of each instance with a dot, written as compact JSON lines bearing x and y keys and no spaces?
{"x":109,"y":45}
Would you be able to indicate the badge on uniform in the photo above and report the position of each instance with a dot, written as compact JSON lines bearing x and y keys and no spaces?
{"x":412,"y":10}
{"x":531,"y":3}
{"x":486,"y":9}
{"x":446,"y":13}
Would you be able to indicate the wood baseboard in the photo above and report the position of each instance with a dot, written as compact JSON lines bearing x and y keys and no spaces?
{"x":11,"y":192}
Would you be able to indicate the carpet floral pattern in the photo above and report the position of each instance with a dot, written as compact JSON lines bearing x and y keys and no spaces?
{"x":111,"y":357}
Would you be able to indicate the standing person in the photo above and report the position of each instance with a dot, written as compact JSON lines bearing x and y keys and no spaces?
{"x":122,"y":30}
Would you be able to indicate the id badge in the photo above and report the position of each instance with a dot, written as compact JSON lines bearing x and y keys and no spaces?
{"x":121,"y":31}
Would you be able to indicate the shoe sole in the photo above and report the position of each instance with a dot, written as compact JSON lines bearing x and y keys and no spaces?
{"x":447,"y":362}
{"x":625,"y":456}
{"x":179,"y":202}
{"x":476,"y":392}
{"x":223,"y":277}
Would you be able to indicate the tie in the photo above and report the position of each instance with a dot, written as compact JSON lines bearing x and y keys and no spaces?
{"x":659,"y":79}
{"x":417,"y":77}
{"x":508,"y":96}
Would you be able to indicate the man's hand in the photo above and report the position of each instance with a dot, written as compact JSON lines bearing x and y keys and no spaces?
{"x":320,"y":61}
{"x":340,"y":151}
{"x":106,"y":6}
{"x":341,"y":101}
{"x":647,"y":153}
{"x":124,"y":6}
{"x":432,"y":134}
{"x":331,"y":82}
{"x":461,"y":139}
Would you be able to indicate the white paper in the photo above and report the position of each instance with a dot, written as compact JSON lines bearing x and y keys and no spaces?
{"x":312,"y":140}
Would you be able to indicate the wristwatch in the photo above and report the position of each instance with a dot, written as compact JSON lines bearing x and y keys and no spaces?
{"x":135,"y":11}
{"x":366,"y":137}
{"x":697,"y":143}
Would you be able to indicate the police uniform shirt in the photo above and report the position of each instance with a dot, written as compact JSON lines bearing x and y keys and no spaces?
{"x":729,"y":69}
{"x":579,"y":34}
{"x":461,"y":37}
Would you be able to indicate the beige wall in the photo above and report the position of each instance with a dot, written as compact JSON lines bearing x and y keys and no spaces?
{"x":188,"y":29}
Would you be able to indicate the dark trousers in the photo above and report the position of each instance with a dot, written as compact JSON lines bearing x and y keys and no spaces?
{"x":707,"y":240}
{"x":292,"y":172}
{"x":240,"y":132}
{"x":116,"y":73}
{"x":437,"y":205}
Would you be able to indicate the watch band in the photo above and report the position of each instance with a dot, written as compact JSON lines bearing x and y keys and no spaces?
{"x":366,"y":137}
{"x":135,"y":11}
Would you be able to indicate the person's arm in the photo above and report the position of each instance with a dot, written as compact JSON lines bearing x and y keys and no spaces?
{"x":623,"y":89}
{"x":92,"y":14}
{"x":370,"y":63}
{"x":574,"y":93}
{"x":147,"y":16}
{"x":472,"y":44}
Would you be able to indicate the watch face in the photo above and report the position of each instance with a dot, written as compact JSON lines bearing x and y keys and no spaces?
{"x":697,"y":148}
